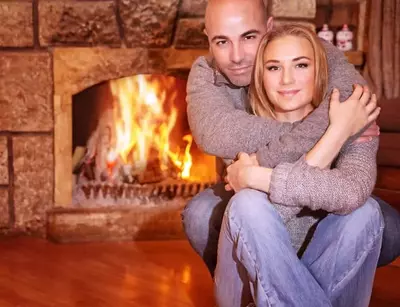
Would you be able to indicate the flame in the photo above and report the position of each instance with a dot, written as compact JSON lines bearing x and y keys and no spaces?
{"x":144,"y":115}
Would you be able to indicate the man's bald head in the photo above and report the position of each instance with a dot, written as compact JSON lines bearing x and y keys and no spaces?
{"x":234,"y":29}
{"x":222,"y":8}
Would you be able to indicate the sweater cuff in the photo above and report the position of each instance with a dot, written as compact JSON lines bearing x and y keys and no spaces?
{"x":278,"y":190}
{"x":263,"y":158}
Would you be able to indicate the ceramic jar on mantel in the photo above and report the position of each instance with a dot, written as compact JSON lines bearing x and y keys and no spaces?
{"x":344,"y":39}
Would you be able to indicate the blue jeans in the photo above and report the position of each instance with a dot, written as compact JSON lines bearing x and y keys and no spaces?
{"x":255,"y":256}
{"x":202,"y":219}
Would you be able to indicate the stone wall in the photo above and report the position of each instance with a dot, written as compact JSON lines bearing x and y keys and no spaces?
{"x":37,"y":35}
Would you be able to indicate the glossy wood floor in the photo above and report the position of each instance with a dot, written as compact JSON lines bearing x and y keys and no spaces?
{"x":37,"y":273}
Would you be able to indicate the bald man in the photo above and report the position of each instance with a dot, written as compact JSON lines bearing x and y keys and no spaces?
{"x":216,"y":96}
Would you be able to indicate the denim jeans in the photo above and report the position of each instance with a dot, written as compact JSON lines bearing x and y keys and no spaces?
{"x":391,"y":233}
{"x":255,"y":255}
{"x":202,"y":219}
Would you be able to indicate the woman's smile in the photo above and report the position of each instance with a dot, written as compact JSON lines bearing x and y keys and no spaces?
{"x":288,"y":93}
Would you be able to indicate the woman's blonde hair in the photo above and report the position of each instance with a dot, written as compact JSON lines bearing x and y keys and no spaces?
{"x":259,"y":102}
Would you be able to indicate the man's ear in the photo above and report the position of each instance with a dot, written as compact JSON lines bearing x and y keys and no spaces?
{"x":209,"y":47}
{"x":270,"y":23}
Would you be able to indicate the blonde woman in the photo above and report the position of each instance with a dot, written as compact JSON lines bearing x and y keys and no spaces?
{"x":329,"y":187}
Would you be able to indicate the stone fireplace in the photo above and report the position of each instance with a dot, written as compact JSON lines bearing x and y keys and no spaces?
{"x":122,"y":209}
{"x":51,"y":52}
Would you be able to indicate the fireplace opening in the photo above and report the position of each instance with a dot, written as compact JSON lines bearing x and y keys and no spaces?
{"x":132,"y":143}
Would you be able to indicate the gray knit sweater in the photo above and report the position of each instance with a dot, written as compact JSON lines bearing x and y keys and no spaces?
{"x":222,"y":127}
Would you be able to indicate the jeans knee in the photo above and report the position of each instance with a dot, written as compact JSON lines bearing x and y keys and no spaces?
{"x":367,"y":220}
{"x":252,"y":207}
{"x":372,"y":210}
{"x":203,"y":214}
{"x":194,"y":212}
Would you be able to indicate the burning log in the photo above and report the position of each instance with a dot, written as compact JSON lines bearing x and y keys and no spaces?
{"x":131,"y":141}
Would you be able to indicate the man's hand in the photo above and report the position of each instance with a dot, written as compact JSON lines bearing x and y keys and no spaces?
{"x":238,"y":172}
{"x":372,"y":131}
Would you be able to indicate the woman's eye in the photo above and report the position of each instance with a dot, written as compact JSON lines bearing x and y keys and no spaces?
{"x":302,"y":65}
{"x":272,"y":68}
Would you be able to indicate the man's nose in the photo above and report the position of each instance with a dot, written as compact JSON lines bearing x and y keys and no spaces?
{"x":287,"y":76}
{"x":237,"y":53}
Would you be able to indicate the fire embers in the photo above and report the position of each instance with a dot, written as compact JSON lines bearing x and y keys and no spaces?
{"x":137,"y":139}
{"x":137,"y":194}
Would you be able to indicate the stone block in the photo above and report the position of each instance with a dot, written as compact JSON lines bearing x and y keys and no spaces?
{"x":16,"y":28}
{"x":26,"y":91}
{"x":193,"y":8}
{"x":171,"y":60}
{"x":3,"y":160}
{"x":148,"y":23}
{"x":303,"y":23}
{"x":76,"y":69}
{"x":117,"y":224}
{"x":4,"y":209}
{"x":293,"y":9}
{"x":33,"y":181}
{"x":189,"y":34}
{"x":78,"y":23}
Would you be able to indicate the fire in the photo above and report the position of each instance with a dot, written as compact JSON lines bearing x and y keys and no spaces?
{"x":144,"y":116}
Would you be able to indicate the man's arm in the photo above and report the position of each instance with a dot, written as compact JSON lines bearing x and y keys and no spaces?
{"x":222,"y":130}
{"x":218,"y":126}
{"x":339,"y":190}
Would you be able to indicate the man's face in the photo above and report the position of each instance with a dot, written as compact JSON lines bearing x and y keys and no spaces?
{"x":234,"y":32}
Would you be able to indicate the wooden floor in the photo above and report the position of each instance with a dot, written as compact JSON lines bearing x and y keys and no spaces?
{"x":37,"y":273}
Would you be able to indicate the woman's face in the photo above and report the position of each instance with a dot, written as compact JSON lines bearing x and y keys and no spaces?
{"x":289,"y":69}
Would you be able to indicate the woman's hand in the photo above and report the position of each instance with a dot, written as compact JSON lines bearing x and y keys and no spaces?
{"x":355,"y":113}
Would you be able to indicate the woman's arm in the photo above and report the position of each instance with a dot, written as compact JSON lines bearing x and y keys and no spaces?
{"x":348,"y":185}
{"x":339,"y":190}
{"x":346,"y":120}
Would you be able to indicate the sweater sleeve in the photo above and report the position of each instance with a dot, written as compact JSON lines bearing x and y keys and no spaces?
{"x":218,"y":127}
{"x":339,"y":190}
{"x":222,"y":130}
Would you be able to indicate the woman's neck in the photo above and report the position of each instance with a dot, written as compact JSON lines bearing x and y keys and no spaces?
{"x":293,"y":116}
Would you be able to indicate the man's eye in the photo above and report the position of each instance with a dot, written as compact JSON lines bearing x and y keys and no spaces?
{"x":272,"y":68}
{"x":219,"y":43}
{"x":302,"y":65}
{"x":250,"y":37}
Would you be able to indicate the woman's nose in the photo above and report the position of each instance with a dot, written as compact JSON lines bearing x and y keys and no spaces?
{"x":287,"y":76}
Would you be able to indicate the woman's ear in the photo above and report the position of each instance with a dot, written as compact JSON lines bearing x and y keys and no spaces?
{"x":270,"y":23}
